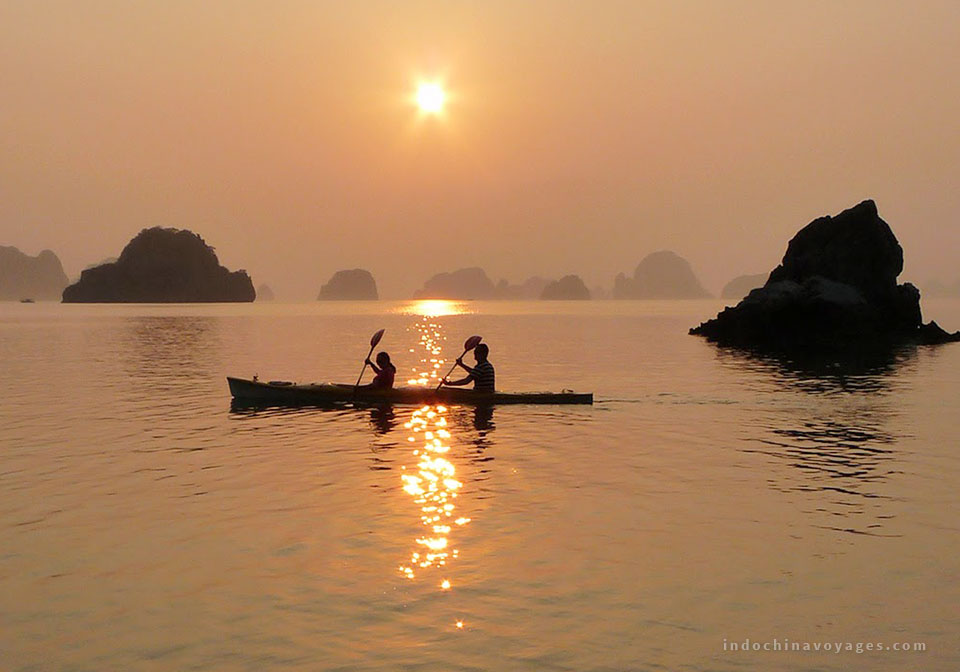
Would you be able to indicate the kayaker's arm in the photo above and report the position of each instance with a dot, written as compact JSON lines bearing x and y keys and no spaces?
{"x":458,"y":383}
{"x":464,"y":366}
{"x":373,"y":366}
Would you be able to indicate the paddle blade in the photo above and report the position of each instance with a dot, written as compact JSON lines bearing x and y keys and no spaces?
{"x":471,"y":343}
{"x":376,"y":338}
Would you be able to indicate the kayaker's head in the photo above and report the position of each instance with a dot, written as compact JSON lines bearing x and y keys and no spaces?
{"x":481,"y":352}
{"x":383,"y":359}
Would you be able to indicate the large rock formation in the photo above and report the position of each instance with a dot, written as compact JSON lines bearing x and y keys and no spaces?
{"x":465,"y":284}
{"x":569,"y":287}
{"x":264,"y":293}
{"x":25,"y":277}
{"x":353,"y":285}
{"x":742,"y":285}
{"x":162,"y":266}
{"x":661,"y":275}
{"x":837,"y":285}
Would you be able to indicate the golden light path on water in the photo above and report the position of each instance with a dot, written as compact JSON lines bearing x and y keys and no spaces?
{"x":434,"y":307}
{"x":431,"y":478}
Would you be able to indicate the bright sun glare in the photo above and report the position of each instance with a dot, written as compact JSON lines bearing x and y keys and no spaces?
{"x":430,"y":98}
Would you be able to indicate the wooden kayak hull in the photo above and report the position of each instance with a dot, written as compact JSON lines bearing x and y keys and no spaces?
{"x":256,"y":392}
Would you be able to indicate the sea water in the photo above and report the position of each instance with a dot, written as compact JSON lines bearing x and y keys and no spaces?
{"x":710,"y":500}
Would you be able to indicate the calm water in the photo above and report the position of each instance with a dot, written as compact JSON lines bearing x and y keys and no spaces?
{"x":707,"y":496}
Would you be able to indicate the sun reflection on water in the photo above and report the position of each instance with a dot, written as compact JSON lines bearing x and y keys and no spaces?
{"x":434,"y":307}
{"x":432,"y":480}
{"x":431,"y":338}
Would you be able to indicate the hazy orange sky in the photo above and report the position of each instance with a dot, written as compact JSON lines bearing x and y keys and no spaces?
{"x":578,"y":137}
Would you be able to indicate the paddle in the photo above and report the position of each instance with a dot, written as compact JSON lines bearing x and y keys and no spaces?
{"x":468,"y":345}
{"x":373,"y":343}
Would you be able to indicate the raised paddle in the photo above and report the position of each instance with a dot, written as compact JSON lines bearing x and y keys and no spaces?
{"x":373,"y":343}
{"x":468,"y":345}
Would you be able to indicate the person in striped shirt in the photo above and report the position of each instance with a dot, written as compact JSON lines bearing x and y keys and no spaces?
{"x":482,"y":375}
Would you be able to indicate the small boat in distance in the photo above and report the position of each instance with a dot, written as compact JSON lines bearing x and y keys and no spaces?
{"x":26,"y":301}
{"x":279,"y":392}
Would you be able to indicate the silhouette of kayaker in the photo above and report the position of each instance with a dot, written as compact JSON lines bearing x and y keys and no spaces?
{"x":482,"y":375}
{"x":385,"y":372}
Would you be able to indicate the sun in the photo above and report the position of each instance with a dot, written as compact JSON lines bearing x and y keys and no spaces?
{"x":430,"y":98}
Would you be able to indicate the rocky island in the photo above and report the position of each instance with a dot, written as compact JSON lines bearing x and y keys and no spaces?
{"x":567,"y":288}
{"x":355,"y":284}
{"x":264,"y":293}
{"x":661,"y":275}
{"x":162,"y":266}
{"x":40,"y":278}
{"x":464,"y":284}
{"x":836,"y":286}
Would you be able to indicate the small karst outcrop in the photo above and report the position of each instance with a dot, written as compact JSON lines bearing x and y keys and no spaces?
{"x":742,"y":285}
{"x":355,"y":284}
{"x":567,"y":288}
{"x":24,"y":277}
{"x":661,"y":275}
{"x":162,"y":266}
{"x":264,"y":293}
{"x":836,"y":286}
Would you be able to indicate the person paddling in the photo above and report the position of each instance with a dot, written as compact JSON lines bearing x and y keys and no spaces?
{"x":482,"y":375}
{"x":385,"y":371}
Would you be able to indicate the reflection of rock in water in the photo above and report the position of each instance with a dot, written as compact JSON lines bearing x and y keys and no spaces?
{"x":835,"y":440}
{"x":852,"y":370}
{"x":846,"y":461}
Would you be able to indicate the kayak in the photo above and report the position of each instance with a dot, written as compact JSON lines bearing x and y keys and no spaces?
{"x":281,"y":392}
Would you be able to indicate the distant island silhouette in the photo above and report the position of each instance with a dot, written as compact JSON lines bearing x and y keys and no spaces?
{"x":837,"y":285}
{"x":355,"y":284}
{"x":264,"y":293}
{"x":473,"y":283}
{"x":464,"y":284}
{"x":161,"y":265}
{"x":660,"y":275}
{"x":40,"y":278}
{"x":531,"y":288}
{"x":742,"y":285}
{"x":569,"y":287}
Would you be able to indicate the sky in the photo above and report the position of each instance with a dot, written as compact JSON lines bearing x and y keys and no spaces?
{"x":576,"y":137}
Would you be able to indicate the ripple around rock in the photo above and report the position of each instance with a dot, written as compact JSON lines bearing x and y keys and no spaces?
{"x":162,"y":266}
{"x":836,"y":286}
